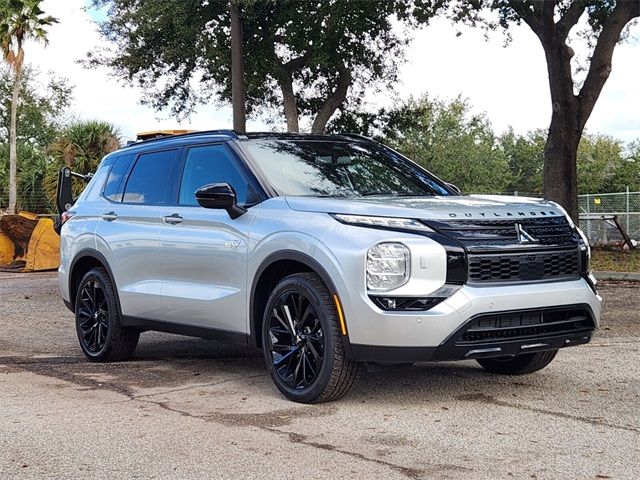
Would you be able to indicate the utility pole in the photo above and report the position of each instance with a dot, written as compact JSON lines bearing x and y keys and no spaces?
{"x":238,"y":96}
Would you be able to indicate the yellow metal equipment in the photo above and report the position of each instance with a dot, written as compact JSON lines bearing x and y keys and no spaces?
{"x":28,"y":243}
{"x":160,"y":133}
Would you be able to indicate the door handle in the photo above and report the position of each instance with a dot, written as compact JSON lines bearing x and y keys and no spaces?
{"x":172,"y":219}
{"x":109,"y":217}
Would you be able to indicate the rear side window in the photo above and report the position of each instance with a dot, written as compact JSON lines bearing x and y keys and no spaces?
{"x":113,"y":186}
{"x":211,"y":164}
{"x":151,"y":179}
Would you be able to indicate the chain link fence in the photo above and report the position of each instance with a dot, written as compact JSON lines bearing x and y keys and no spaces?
{"x":624,"y":205}
{"x":37,"y":202}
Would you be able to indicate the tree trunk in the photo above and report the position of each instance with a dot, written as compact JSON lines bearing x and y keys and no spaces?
{"x":571,"y":111}
{"x":238,"y":97}
{"x":560,"y":182}
{"x":290,"y":104}
{"x":13,"y":144}
{"x":560,"y":163}
{"x":335,"y":100}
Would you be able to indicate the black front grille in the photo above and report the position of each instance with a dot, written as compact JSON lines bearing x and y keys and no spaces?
{"x":479,"y":234}
{"x":523,"y":267}
{"x":525,"y":325}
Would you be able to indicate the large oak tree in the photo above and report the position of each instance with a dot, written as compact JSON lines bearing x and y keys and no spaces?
{"x":572,"y":98}
{"x":305,"y":58}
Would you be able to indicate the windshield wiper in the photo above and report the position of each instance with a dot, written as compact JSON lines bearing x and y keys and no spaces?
{"x":371,"y":193}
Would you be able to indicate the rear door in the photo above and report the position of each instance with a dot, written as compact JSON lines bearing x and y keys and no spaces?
{"x":203,"y":251}
{"x":137,"y":192}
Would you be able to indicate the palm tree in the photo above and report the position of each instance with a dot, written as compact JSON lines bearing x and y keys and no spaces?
{"x":20,"y":20}
{"x":80,"y":146}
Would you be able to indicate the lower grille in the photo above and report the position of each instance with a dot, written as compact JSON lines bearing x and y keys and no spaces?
{"x":525,"y":325}
{"x":522,"y":267}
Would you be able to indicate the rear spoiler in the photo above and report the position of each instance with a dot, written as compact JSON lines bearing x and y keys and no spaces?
{"x":64,"y":195}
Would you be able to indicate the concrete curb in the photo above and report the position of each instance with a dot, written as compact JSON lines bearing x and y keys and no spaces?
{"x":618,"y":276}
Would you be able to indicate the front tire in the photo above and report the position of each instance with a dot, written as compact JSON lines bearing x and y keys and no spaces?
{"x":519,"y":364}
{"x":302,"y":342}
{"x":102,"y":338}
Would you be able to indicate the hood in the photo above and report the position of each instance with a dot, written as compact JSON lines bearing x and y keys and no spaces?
{"x":431,"y":208}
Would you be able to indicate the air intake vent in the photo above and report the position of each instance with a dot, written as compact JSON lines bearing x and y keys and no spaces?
{"x":524,"y":325}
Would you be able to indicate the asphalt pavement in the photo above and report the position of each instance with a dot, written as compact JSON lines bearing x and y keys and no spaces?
{"x":192,"y":408}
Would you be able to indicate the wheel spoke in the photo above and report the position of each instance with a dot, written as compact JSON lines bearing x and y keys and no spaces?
{"x":313,"y":370}
{"x":285,"y":357}
{"x":309,"y":311}
{"x":284,"y":323}
{"x":297,"y":371}
{"x":92,"y":316}
{"x":315,"y":353}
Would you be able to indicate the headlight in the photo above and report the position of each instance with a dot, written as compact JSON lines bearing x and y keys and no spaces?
{"x":387,"y":266}
{"x":382,"y":222}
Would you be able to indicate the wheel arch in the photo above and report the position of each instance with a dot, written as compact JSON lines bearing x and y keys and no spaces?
{"x":84,"y":261}
{"x":274,"y":268}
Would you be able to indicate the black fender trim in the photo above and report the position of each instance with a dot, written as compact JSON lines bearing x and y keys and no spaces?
{"x":310,"y":262}
{"x":96,"y":255}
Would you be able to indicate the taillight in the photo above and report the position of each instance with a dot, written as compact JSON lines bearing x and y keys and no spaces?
{"x":66,"y":216}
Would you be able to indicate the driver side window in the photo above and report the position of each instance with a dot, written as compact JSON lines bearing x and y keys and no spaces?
{"x":211,"y":164}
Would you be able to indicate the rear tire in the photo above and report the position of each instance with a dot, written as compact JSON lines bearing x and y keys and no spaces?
{"x":302,"y":343}
{"x":519,"y":364}
{"x":102,"y":337}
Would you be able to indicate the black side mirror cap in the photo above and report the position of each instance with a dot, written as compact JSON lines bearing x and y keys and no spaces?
{"x":219,"y":196}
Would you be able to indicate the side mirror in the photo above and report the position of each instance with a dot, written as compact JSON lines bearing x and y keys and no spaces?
{"x":220,"y":196}
{"x":454,"y":188}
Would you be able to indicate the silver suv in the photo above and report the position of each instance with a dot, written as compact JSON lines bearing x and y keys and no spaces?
{"x":324,"y":251}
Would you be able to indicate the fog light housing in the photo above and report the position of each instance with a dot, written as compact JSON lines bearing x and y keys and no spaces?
{"x":387,"y":266}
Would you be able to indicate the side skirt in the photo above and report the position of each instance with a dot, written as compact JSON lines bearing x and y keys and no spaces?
{"x":187,"y":330}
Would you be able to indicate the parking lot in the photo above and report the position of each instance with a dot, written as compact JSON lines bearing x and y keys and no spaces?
{"x":191,"y":408}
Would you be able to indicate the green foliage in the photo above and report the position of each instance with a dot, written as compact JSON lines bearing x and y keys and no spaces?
{"x":80,"y":146}
{"x":42,"y":109}
{"x":179,"y":52}
{"x":525,"y":156}
{"x":603,"y":166}
{"x":32,"y":168}
{"x":444,"y":137}
{"x":21,"y":20}
{"x":42,"y":113}
{"x":461,"y":147}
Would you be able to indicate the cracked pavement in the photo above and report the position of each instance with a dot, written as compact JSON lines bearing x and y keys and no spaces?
{"x":193,"y":408}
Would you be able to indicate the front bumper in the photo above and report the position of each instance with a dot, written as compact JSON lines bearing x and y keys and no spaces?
{"x":381,"y":336}
{"x":576,"y":329}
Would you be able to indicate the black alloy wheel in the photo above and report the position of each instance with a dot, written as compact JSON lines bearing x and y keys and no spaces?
{"x":302,"y":341}
{"x":100,"y":333}
{"x":93,"y":317}
{"x":296,"y":340}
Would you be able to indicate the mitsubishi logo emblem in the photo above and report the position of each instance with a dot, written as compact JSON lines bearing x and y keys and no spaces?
{"x":524,"y":236}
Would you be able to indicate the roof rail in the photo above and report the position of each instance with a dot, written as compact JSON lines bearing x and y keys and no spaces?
{"x":227,"y":132}
{"x":357,"y":136}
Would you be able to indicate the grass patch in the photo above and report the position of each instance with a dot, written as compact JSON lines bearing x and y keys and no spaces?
{"x":615,"y":260}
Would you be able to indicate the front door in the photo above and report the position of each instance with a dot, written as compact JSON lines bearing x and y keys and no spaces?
{"x":203,"y":252}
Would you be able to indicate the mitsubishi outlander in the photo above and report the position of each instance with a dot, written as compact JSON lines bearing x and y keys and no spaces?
{"x":323,"y":251}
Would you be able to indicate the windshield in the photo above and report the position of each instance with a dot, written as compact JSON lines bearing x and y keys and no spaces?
{"x":338,"y":168}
